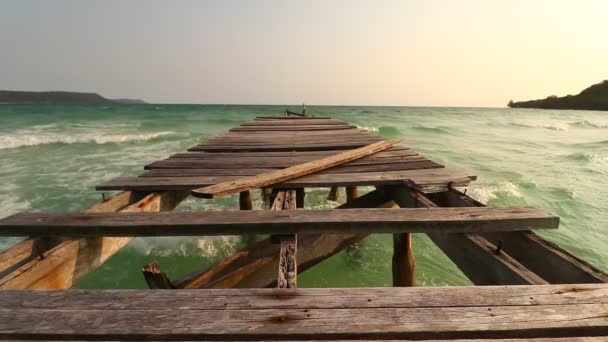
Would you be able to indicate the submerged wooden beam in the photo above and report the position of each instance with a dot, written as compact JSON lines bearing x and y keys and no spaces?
{"x":155,"y":277}
{"x":406,"y":220}
{"x":473,"y":255}
{"x":549,"y":261}
{"x":278,"y":176}
{"x":65,"y":264}
{"x":263,"y":256}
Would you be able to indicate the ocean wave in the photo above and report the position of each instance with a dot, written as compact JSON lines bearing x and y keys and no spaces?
{"x":389,"y":131}
{"x":430,"y":129}
{"x":186,"y":246}
{"x":485,"y":194}
{"x":17,"y":140}
{"x":554,"y":126}
{"x":586,"y":123}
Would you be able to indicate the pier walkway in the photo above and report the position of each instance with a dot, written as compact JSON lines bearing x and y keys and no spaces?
{"x":560,"y":297}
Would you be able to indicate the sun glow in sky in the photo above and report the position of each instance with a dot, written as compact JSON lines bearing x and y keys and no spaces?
{"x":341,"y":52}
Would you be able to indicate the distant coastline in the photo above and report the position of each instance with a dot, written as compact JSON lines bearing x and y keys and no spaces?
{"x":60,"y":97}
{"x":592,"y":98}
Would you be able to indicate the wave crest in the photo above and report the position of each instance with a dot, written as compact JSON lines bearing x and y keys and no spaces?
{"x":28,"y":139}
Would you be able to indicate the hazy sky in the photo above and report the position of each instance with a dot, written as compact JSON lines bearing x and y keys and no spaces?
{"x":380,"y":52}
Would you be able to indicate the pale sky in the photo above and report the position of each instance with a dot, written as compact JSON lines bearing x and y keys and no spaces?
{"x":380,"y":52}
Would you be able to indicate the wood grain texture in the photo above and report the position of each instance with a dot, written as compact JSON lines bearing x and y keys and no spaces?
{"x":471,"y":253}
{"x":296,"y":171}
{"x":428,"y":180}
{"x":63,"y":265}
{"x":283,"y":314}
{"x":418,"y":220}
{"x":548,"y":260}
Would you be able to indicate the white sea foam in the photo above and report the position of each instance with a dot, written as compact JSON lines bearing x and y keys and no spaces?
{"x":485,"y":194}
{"x":32,"y":138}
{"x":184,"y":246}
{"x":551,"y":125}
{"x":370,"y":129}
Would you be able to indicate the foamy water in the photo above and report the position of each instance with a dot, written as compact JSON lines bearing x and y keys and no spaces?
{"x":51,"y":157}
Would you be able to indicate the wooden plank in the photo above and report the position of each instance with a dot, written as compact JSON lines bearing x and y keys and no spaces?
{"x":552,"y":263}
{"x":245,"y":162}
{"x":65,"y":264}
{"x":294,"y":128}
{"x":395,"y":151}
{"x":473,"y":255}
{"x":429,"y":180}
{"x":270,"y":178}
{"x":189,"y":170}
{"x":309,"y":298}
{"x":283,"y":314}
{"x":294,"y":122}
{"x":417,"y":220}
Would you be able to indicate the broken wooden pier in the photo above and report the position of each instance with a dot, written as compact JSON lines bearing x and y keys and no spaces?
{"x":562,"y":298}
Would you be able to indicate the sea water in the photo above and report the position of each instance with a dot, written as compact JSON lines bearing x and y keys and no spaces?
{"x":51,"y":157}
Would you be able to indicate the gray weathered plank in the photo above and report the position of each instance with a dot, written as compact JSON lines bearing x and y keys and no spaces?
{"x":309,"y":314}
{"x":417,"y":220}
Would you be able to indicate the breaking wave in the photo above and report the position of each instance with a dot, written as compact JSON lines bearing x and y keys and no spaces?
{"x":27,"y":139}
{"x":485,"y":194}
{"x":554,"y":126}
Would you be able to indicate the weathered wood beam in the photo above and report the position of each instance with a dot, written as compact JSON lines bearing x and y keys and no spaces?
{"x":549,"y":261}
{"x":31,"y":248}
{"x":278,"y":176}
{"x":445,"y":313}
{"x":405,"y":220}
{"x":62,"y":266}
{"x":473,"y":255}
{"x":263,"y":256}
{"x":245,"y":202}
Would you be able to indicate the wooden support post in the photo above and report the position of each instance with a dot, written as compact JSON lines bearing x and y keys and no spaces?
{"x":261,"y":259}
{"x":404,"y":263}
{"x":333,"y":194}
{"x":473,"y":255}
{"x":351,"y":193}
{"x":65,"y":264}
{"x":288,"y":267}
{"x":155,"y":277}
{"x":266,"y":193}
{"x":300,"y":194}
{"x":245,"y":200}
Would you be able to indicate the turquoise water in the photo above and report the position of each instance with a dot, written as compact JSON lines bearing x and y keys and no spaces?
{"x":52,"y":156}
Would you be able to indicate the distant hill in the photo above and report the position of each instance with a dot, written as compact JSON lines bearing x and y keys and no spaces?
{"x":592,"y":98}
{"x":58,"y":97}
